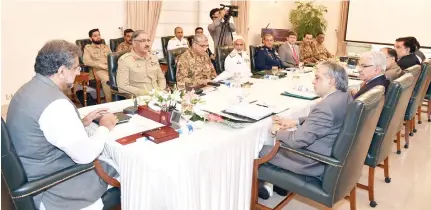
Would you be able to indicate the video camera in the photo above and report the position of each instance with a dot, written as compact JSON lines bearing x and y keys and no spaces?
{"x":232,"y":12}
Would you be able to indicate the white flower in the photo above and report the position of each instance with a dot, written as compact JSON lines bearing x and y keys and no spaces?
{"x":197,"y":109}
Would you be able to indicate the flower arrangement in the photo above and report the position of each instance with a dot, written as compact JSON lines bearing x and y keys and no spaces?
{"x":167,"y":100}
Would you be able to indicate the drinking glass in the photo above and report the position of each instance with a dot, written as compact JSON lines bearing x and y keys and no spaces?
{"x":274,"y":70}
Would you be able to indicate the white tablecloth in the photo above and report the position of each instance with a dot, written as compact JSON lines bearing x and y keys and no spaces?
{"x":209,"y":169}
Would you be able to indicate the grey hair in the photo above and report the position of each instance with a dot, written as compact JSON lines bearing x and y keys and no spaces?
{"x":377,"y":57}
{"x":54,"y":54}
{"x":337,"y":72}
{"x":137,"y":33}
{"x":199,"y":38}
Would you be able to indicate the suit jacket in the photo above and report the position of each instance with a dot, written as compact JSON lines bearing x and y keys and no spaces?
{"x":286,"y":55}
{"x":317,"y":133}
{"x":380,"y":80}
{"x":408,"y":61}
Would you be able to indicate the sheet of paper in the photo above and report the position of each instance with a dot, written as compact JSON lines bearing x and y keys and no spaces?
{"x":135,"y":125}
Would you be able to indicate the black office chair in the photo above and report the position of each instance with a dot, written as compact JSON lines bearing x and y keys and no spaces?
{"x":22,"y":191}
{"x":113,"y":43}
{"x":392,"y":116}
{"x":221,"y":53}
{"x":343,"y":167}
{"x":253,"y":50}
{"x":171,"y":74}
{"x":165,"y":41}
{"x":112,"y":71}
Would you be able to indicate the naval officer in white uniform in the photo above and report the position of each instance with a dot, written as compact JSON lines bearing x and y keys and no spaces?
{"x":178,"y":41}
{"x":237,"y":62}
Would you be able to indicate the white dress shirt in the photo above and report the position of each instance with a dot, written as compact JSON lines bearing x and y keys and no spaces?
{"x":63,"y":129}
{"x":175,"y":43}
{"x":233,"y":63}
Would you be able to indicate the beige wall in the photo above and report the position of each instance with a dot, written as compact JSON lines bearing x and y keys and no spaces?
{"x":277,"y":13}
{"x":27,"y":25}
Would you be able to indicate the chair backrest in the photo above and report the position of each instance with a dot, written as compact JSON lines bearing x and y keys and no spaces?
{"x":81,"y":44}
{"x":396,"y":101}
{"x":413,"y":102}
{"x":252,"y":56}
{"x":253,"y":50}
{"x":113,"y":66}
{"x":221,"y":53}
{"x":426,"y":84}
{"x":165,"y":41}
{"x":12,"y":169}
{"x":113,"y":43}
{"x":352,"y":143}
{"x":171,"y":74}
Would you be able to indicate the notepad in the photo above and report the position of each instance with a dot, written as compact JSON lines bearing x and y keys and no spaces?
{"x":251,"y":111}
{"x":300,"y":94}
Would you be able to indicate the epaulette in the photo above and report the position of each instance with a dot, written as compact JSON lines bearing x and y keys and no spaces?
{"x":232,"y":54}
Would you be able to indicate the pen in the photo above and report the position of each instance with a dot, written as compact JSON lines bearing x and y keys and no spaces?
{"x":252,"y":101}
{"x":262,"y":105}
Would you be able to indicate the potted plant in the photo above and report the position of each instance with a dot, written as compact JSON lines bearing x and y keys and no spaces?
{"x":308,"y":18}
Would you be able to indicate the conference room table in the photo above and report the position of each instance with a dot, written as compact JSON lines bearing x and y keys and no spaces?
{"x":210,"y":168}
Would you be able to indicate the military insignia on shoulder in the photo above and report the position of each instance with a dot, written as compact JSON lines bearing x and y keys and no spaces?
{"x":232,"y":54}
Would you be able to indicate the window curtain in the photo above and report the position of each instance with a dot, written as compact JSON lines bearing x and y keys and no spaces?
{"x":341,"y":32}
{"x":241,"y":22}
{"x":143,"y":15}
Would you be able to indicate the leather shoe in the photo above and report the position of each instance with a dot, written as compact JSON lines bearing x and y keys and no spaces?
{"x":263,"y":193}
{"x":280,"y":191}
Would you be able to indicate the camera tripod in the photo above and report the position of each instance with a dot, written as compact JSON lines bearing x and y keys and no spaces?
{"x":224,"y":27}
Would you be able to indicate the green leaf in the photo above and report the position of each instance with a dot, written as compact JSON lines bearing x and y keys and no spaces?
{"x":308,"y":18}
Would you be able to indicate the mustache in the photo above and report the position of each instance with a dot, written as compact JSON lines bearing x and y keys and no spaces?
{"x":147,"y":46}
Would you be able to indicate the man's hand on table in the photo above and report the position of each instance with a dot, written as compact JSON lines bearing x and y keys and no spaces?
{"x":93,"y":115}
{"x":279,"y":123}
{"x":109,"y":121}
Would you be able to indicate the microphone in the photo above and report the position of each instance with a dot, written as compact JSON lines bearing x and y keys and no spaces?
{"x":267,"y":25}
{"x":131,"y":109}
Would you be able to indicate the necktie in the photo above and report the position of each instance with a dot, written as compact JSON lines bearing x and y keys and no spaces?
{"x":295,"y":56}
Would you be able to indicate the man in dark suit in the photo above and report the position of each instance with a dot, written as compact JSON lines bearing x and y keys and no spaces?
{"x":316,"y":132}
{"x":267,"y":57}
{"x":406,"y":48}
{"x":372,"y":66}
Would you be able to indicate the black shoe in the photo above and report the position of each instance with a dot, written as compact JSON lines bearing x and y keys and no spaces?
{"x":263,"y":193}
{"x":280,"y":191}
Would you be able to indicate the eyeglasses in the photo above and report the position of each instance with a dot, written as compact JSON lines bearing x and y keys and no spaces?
{"x":142,"y":40}
{"x":364,"y":66}
{"x":203,"y":46}
{"x":238,"y":44}
{"x":77,"y":68}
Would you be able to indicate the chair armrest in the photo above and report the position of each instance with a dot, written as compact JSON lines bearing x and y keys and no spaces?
{"x":34,"y":187}
{"x":104,"y":176}
{"x":379,"y":132}
{"x":315,"y":156}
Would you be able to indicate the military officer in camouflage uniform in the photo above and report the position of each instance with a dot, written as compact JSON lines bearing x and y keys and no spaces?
{"x":127,"y":44}
{"x":194,"y":67}
{"x":266,"y":57}
{"x":139,"y":71}
{"x":307,"y":49}
{"x":95,"y":56}
{"x":322,"y":54}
